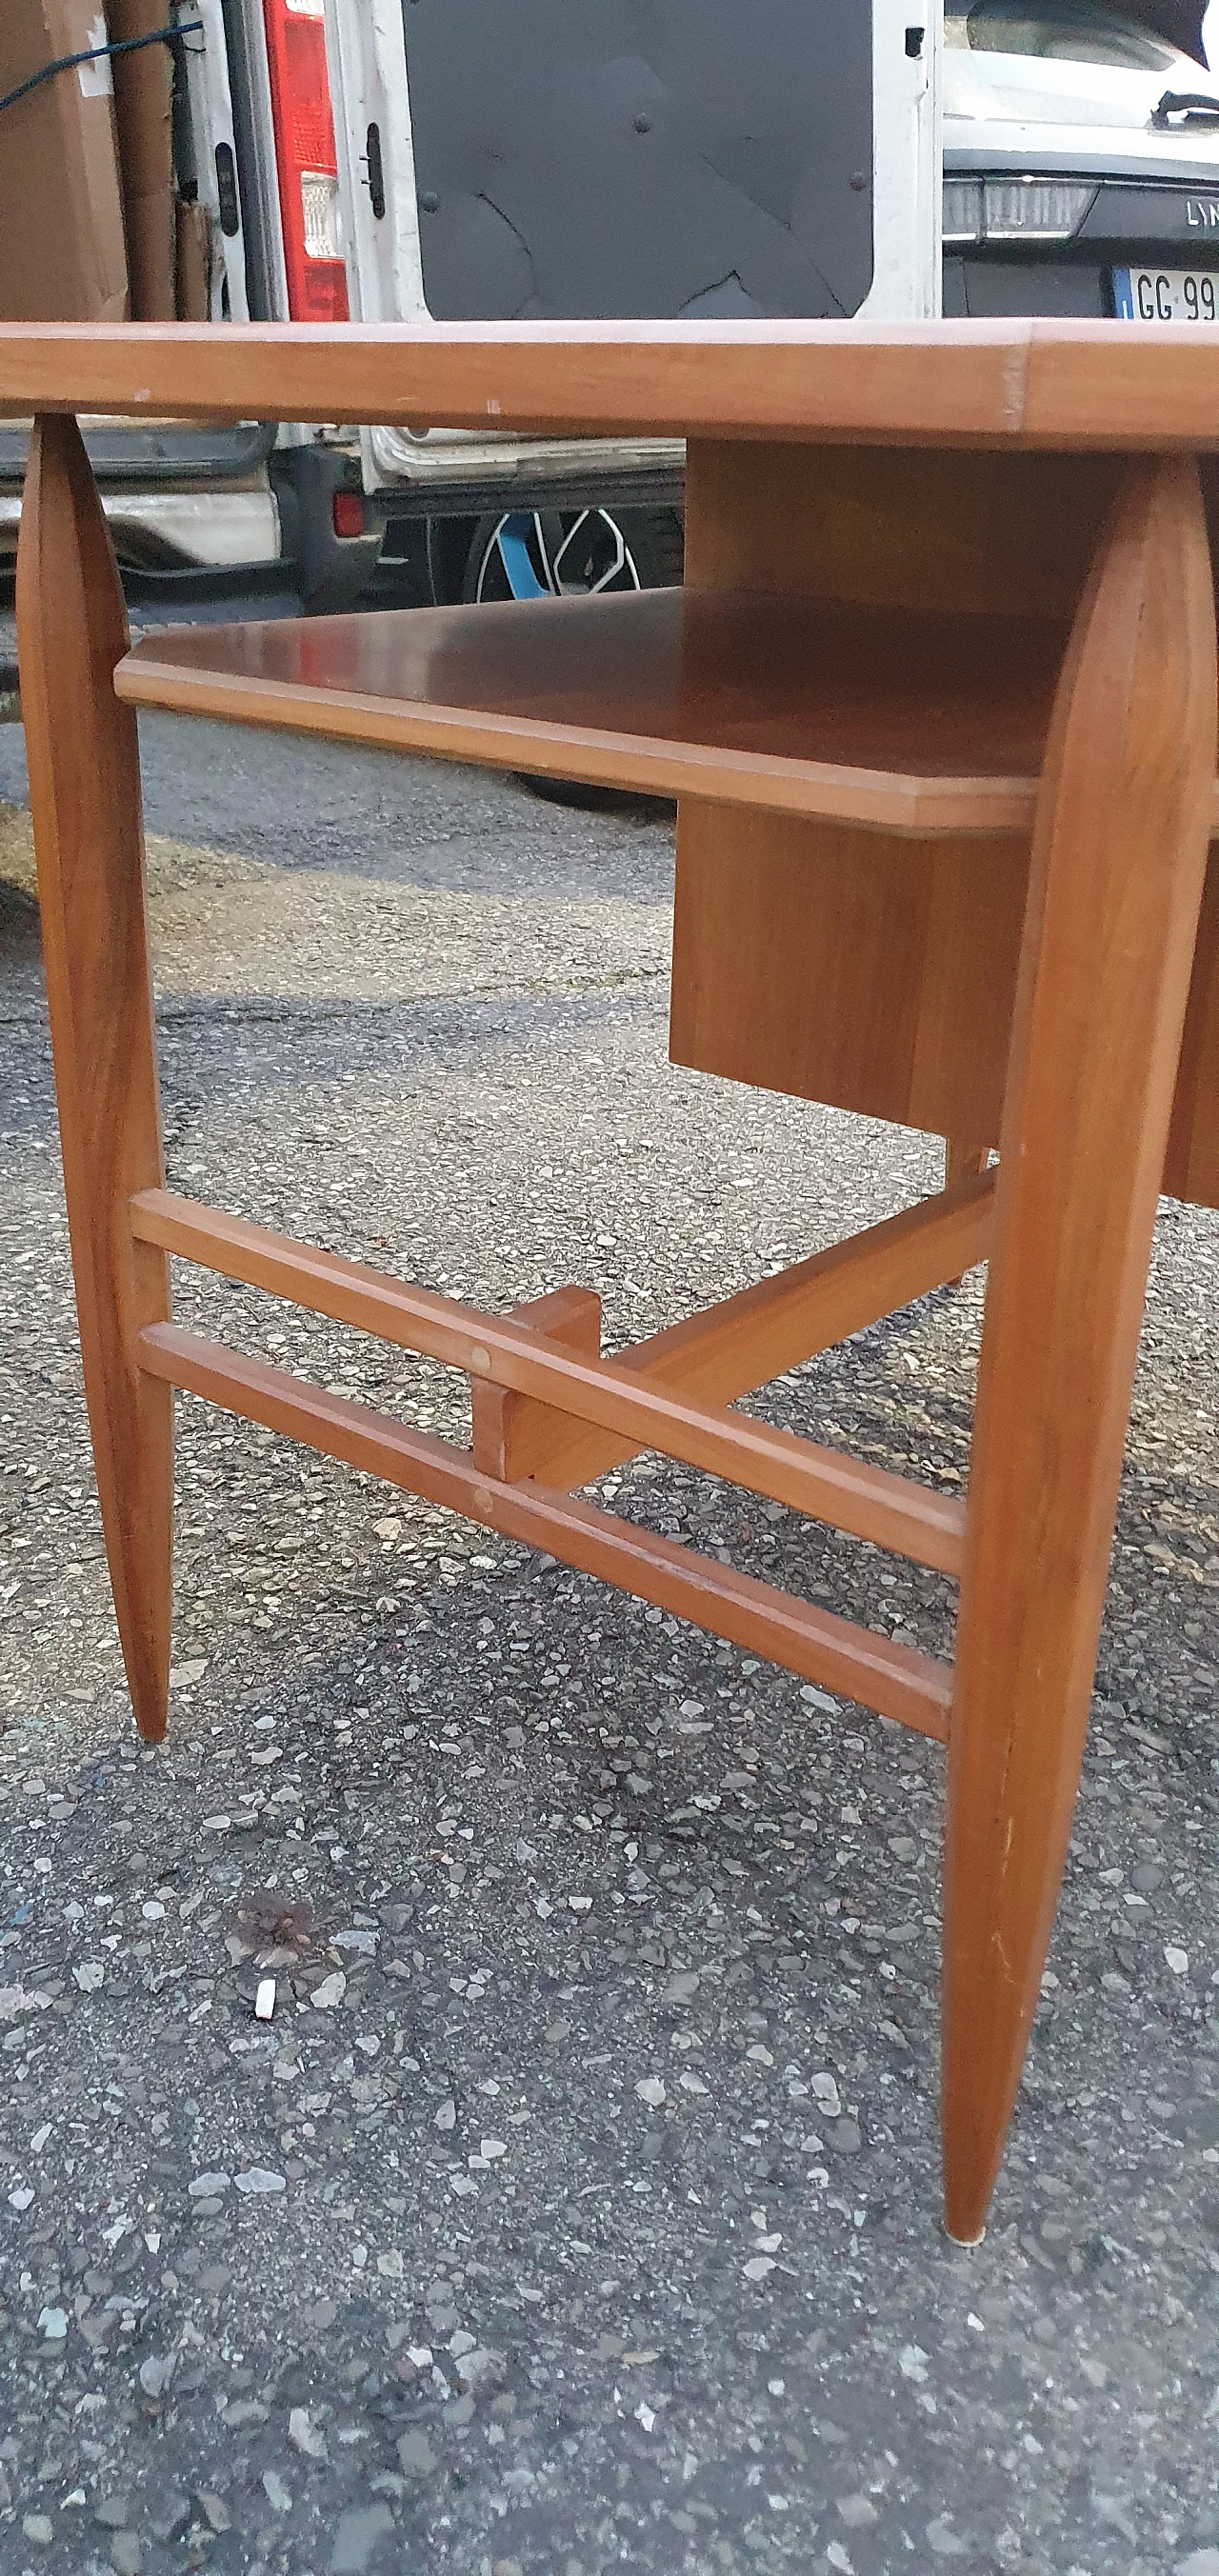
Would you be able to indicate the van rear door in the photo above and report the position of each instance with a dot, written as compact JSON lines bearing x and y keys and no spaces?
{"x":627,"y":158}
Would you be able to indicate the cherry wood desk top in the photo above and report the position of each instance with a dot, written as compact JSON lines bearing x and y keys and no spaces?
{"x":1019,"y":384}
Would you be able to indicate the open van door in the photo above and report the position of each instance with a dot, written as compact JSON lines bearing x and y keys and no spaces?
{"x":506,"y":159}
{"x":627,"y":158}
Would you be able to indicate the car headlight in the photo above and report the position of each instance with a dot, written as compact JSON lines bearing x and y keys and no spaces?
{"x":1014,"y":210}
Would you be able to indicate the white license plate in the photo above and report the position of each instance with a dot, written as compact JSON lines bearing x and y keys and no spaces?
{"x":1166,"y":294}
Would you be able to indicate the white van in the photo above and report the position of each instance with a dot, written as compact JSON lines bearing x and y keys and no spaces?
{"x":546,"y":159}
{"x":596,"y":157}
{"x":478,"y":172}
{"x":389,"y":159}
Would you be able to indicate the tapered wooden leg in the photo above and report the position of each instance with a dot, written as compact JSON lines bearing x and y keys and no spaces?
{"x":1118,"y":860}
{"x":88,"y":834}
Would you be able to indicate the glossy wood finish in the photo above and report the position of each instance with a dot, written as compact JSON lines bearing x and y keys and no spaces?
{"x":849,"y":966}
{"x":910,"y":1688}
{"x":858,"y":966}
{"x":934,"y":862}
{"x":836,"y":941}
{"x":920,"y":723}
{"x":934,"y":530}
{"x":889,"y":1510}
{"x":85,"y":795}
{"x":1013,"y":384}
{"x":500,"y":1420}
{"x":746,"y":1341}
{"x":880,"y":974}
{"x":1117,"y":877}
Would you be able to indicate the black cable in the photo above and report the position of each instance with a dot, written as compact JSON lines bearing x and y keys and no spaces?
{"x":98,"y":54}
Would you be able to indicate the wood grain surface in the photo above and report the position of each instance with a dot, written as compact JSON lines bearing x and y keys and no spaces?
{"x":899,"y":1683}
{"x":946,"y":799}
{"x":918,"y":721}
{"x":501,"y":1421}
{"x":1064,"y":385}
{"x":868,"y":1502}
{"x":875,"y":968}
{"x":728,"y":1350}
{"x":1117,"y":878}
{"x":88,"y":834}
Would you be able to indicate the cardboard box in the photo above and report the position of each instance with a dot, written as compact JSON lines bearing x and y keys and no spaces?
{"x":63,"y":255}
{"x":194,"y":281}
{"x":143,"y":109}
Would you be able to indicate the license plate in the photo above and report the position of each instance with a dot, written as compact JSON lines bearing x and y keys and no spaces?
{"x":1166,"y":294}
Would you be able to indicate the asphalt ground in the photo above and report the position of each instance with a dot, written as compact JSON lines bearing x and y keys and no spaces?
{"x":578,"y":2208}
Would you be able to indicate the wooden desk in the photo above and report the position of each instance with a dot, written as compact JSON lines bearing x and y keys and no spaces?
{"x":939,"y":706}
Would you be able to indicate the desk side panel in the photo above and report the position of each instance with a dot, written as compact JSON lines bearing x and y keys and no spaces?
{"x":848,"y":966}
{"x":851,"y":966}
{"x":918,"y":527}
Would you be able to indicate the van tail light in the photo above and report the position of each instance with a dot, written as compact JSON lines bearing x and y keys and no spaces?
{"x":305,"y":160}
{"x":347,"y":514}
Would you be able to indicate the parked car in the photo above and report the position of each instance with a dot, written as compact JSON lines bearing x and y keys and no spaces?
{"x":1081,"y":165}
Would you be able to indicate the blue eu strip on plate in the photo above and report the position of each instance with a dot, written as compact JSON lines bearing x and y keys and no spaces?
{"x":1167,"y":295}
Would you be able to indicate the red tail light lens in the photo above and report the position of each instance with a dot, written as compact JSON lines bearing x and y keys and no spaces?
{"x":347,"y":514}
{"x":305,"y":158}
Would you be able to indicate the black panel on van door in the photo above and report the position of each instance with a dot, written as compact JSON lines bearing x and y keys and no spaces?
{"x":635,"y":158}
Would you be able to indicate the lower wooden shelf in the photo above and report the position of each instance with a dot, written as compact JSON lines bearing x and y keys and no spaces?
{"x":908,"y":722}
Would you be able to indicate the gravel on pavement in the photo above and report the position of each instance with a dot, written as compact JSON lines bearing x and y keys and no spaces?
{"x":470,"y":2097}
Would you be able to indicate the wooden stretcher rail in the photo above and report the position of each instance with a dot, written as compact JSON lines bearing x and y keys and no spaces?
{"x":910,"y":1688}
{"x":1016,"y":383}
{"x":744,"y":1342}
{"x":907,"y":961}
{"x":864,"y":1501}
